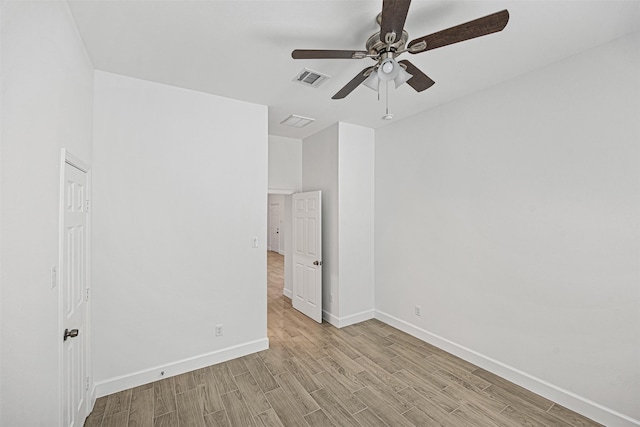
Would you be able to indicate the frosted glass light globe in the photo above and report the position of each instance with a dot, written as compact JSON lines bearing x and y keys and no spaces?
{"x":388,"y":69}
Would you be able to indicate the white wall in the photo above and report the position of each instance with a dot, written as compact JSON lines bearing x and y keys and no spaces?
{"x":513,"y":218}
{"x":285,"y":164}
{"x":170,"y":260}
{"x":320,"y":172}
{"x":355,"y":200}
{"x":339,"y":161}
{"x":46,"y":104}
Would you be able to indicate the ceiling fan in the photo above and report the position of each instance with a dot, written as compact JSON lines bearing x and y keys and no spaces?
{"x":391,"y":41}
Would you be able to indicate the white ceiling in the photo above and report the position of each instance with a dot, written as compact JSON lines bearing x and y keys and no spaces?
{"x":242,"y":49}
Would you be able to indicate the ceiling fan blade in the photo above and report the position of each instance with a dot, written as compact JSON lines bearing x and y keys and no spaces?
{"x":470,"y":30}
{"x":420,"y":81}
{"x":394,"y":14}
{"x":328,"y":54}
{"x":354,"y":83}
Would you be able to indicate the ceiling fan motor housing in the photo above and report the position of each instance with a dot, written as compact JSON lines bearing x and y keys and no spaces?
{"x":375,"y":46}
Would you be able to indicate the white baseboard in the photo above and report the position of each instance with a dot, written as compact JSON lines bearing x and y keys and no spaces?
{"x":114,"y":385}
{"x":574,"y":402}
{"x":330,"y":318}
{"x":352,"y":319}
{"x":287,"y":293}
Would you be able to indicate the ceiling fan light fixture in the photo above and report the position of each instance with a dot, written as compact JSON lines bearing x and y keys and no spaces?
{"x":388,"y":69}
{"x":402,"y":77}
{"x":372,"y":82}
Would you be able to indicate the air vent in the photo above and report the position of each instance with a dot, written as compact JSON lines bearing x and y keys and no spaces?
{"x":296,"y":121}
{"x":310,"y":78}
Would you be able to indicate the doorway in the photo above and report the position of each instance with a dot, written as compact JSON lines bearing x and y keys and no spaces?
{"x":303,"y":267}
{"x":277,"y":230}
{"x":282,"y":199}
{"x":274,"y":227}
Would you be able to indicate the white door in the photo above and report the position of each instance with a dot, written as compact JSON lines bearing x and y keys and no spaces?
{"x":274,"y":227}
{"x":73,"y":288}
{"x":307,"y":254}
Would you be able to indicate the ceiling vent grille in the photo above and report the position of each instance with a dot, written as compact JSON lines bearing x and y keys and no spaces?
{"x":297,"y":121}
{"x":311,"y":78}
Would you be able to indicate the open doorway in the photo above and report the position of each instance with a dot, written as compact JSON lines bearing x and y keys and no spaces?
{"x":301,"y":247}
{"x":275,"y":221}
{"x":279,"y":237}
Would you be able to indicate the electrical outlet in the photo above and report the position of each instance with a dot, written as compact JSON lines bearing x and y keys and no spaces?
{"x":218,"y":330}
{"x":418,"y":310}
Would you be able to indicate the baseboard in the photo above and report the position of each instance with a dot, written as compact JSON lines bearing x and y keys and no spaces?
{"x":287,"y":293}
{"x":330,"y":318}
{"x":341,"y":322}
{"x":574,"y":402}
{"x":114,"y":385}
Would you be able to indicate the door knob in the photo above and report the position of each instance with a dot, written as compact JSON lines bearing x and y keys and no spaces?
{"x":317,"y":262}
{"x":69,"y":334}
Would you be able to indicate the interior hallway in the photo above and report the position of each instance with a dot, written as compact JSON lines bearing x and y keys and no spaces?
{"x":368,"y":374}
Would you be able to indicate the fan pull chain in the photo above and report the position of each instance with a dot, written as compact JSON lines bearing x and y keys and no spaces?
{"x":387,"y":116}
{"x":386,"y":111}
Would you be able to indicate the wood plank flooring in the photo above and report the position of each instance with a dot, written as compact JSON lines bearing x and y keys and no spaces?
{"x":364,"y":375}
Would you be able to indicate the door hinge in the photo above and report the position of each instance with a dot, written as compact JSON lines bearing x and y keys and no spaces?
{"x":86,"y":295}
{"x":86,"y":387}
{"x":87,"y":205}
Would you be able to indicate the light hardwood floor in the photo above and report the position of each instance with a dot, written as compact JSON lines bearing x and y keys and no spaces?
{"x":364,"y":375}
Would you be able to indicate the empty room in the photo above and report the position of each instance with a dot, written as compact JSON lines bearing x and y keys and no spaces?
{"x":320,"y":213}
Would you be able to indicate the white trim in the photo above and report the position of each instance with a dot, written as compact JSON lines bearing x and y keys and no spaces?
{"x":92,"y":398}
{"x":574,"y":402}
{"x":328,"y":317}
{"x":74,"y":161}
{"x":124,"y":382}
{"x":287,"y":293}
{"x":352,"y":319}
{"x":279,"y":191}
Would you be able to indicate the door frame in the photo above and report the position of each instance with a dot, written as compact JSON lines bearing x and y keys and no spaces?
{"x":66,"y":157}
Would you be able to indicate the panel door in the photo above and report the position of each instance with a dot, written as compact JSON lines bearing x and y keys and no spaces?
{"x":73,"y":278}
{"x":274,"y":227}
{"x":307,"y":254}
